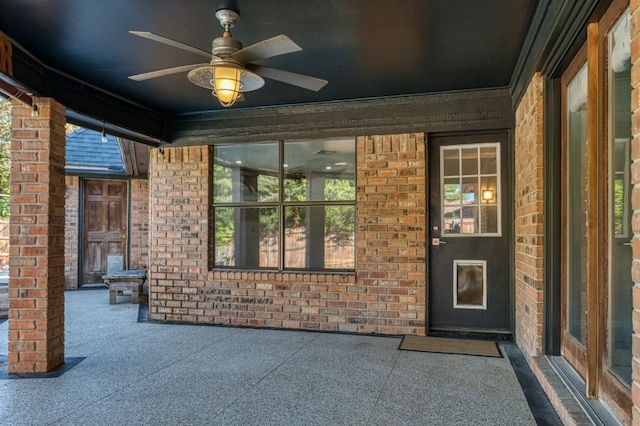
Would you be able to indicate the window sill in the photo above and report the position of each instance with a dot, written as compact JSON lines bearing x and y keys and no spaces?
{"x":307,"y":276}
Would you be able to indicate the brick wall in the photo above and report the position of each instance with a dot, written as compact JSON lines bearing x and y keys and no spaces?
{"x":391,"y":252}
{"x":386,"y":295}
{"x":178,"y":233}
{"x":528,"y":226}
{"x":139,"y":228}
{"x":36,"y":273}
{"x":635,"y":173}
{"x":72,"y":200}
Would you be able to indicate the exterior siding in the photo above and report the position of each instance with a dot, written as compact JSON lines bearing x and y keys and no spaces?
{"x":385,"y":295}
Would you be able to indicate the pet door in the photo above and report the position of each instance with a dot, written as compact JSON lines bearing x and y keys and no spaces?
{"x":469,"y":284}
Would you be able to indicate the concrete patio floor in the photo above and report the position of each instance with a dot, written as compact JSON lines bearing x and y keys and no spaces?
{"x":131,"y":372}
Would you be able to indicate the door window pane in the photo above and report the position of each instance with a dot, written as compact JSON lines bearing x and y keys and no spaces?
{"x":451,"y":163}
{"x":489,"y":224}
{"x":620,"y":283}
{"x":577,"y":191}
{"x":470,"y":190}
{"x":470,"y":161}
{"x":488,"y":165}
{"x":452,"y":191}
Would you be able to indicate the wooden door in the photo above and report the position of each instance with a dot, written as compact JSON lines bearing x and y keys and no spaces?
{"x":469,"y":235}
{"x":104,"y":226}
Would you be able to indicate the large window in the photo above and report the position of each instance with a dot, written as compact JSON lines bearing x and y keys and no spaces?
{"x":285,"y":205}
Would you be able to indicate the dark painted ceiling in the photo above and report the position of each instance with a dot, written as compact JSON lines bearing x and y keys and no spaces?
{"x":364,"y":48}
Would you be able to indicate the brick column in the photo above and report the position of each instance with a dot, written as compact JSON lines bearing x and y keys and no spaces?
{"x":529,"y":215}
{"x":36,"y":273}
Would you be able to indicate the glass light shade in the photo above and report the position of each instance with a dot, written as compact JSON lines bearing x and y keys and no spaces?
{"x":226,"y":84}
{"x":226,"y":80}
{"x":487,"y":194}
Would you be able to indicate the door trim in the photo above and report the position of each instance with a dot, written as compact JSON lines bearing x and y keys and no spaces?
{"x":507,"y":158}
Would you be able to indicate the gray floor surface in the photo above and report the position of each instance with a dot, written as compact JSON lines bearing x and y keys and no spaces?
{"x":157,"y":374}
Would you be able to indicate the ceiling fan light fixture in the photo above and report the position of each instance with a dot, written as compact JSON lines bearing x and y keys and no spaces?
{"x":227,"y":85}
{"x":231,"y":70}
{"x":226,"y":80}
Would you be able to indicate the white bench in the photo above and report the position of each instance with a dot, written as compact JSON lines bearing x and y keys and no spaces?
{"x":128,"y":279}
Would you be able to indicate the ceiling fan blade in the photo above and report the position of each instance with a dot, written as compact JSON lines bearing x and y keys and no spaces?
{"x":295,"y":79}
{"x":163,"y":72}
{"x":174,"y":43}
{"x":275,"y":46}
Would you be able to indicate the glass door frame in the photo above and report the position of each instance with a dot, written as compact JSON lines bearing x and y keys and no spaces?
{"x":591,"y":359}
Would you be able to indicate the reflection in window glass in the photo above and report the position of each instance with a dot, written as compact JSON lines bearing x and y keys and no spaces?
{"x":489,"y":224}
{"x":302,"y":220}
{"x":487,"y":183}
{"x":470,"y":162}
{"x":319,"y":170}
{"x":318,"y":237}
{"x":339,"y":189}
{"x":488,"y":164}
{"x":245,"y":172}
{"x":470,"y":193}
{"x":469,"y":190}
{"x":222,"y":185}
{"x":620,"y":330}
{"x":452,"y":192}
{"x":577,"y":182}
{"x":236,"y":245}
{"x":620,"y":198}
{"x":451,"y":163}
{"x":470,"y":220}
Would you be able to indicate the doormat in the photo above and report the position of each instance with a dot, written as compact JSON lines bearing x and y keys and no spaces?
{"x":445,"y":345}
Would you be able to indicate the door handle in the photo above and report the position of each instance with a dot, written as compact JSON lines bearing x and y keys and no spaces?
{"x":437,"y":242}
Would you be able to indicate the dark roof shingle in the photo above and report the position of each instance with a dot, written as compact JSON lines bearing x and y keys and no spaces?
{"x":85,"y":149}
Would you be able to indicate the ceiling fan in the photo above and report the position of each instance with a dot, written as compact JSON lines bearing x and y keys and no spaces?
{"x":231,"y":70}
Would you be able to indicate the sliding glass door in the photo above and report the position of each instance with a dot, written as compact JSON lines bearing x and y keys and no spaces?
{"x":597,"y":258}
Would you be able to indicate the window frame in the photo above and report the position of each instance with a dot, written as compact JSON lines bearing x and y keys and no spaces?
{"x":281,"y":205}
{"x":479,"y":175}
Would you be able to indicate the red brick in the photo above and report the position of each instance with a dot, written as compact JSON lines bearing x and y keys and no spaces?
{"x":37,"y":223}
{"x":529,"y":209}
{"x":297,"y":299}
